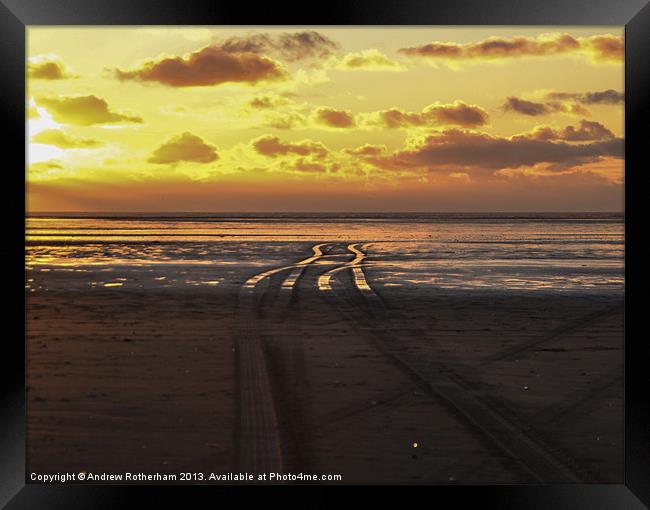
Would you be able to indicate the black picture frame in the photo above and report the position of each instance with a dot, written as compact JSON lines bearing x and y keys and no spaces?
{"x":16,"y":15}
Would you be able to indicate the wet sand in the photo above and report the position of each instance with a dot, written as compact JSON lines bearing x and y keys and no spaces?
{"x":147,"y":376}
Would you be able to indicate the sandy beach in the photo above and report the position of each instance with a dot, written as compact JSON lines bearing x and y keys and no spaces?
{"x":376,"y":381}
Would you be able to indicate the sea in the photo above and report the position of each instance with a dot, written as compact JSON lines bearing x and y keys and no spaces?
{"x":495,"y":252}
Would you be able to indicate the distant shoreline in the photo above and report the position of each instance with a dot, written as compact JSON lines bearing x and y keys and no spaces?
{"x":524,"y":215}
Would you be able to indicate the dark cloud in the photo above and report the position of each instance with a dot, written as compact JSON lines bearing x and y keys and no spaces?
{"x":435,"y":49}
{"x":205,"y":67}
{"x":396,"y":118}
{"x":601,"y":48}
{"x":525,"y":107}
{"x":289,"y":46}
{"x":499,"y":47}
{"x":462,"y":150}
{"x":609,"y":96}
{"x":535,"y":109}
{"x":455,"y":114}
{"x":272,"y":146}
{"x":335,"y":118}
{"x":48,"y":70}
{"x":184,"y":147}
{"x":84,"y":111}
{"x":567,"y":102}
{"x":586,"y":131}
{"x":62,"y":140}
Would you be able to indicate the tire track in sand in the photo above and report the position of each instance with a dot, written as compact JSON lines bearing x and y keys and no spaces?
{"x":358,"y":276}
{"x":536,"y":457}
{"x":257,"y":432}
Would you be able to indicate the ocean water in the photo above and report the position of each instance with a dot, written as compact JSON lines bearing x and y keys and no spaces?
{"x":528,"y":252}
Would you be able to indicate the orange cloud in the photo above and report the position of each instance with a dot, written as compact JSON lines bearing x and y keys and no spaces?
{"x":602,"y":48}
{"x":184,"y":147}
{"x":62,"y":140}
{"x":455,"y":114}
{"x":84,"y":111}
{"x":334,"y":118}
{"x":272,"y":146}
{"x":206,"y":67}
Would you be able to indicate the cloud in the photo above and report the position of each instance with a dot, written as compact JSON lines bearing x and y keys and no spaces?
{"x":606,"y":48}
{"x":367,"y":150}
{"x":367,"y":60}
{"x":461,"y":176}
{"x":62,"y":140}
{"x":48,"y":68}
{"x":525,"y":107}
{"x":609,"y":96}
{"x":184,"y":147}
{"x":600,"y":48}
{"x":304,"y":165}
{"x":48,"y":165}
{"x":84,"y":111}
{"x":586,"y":131}
{"x":457,"y":150}
{"x":334,"y":118}
{"x":205,"y":67}
{"x":272,"y":146}
{"x":455,"y":114}
{"x":434,"y":115}
{"x":535,"y":109}
{"x":267,"y":102}
{"x":289,"y":46}
{"x":288,"y":120}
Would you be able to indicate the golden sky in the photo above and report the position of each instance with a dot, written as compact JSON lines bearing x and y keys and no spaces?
{"x":325,"y":119}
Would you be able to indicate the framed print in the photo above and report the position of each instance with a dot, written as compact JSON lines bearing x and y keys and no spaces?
{"x":383,"y":244}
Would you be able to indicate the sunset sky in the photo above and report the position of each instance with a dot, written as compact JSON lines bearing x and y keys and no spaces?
{"x":325,"y":119}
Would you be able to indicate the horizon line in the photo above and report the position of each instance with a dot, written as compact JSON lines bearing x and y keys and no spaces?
{"x":29,"y":213}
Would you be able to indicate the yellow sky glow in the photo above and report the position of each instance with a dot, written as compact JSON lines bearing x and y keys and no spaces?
{"x":325,"y":119}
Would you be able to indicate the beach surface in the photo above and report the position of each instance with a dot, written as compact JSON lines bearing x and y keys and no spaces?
{"x":388,"y":358}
